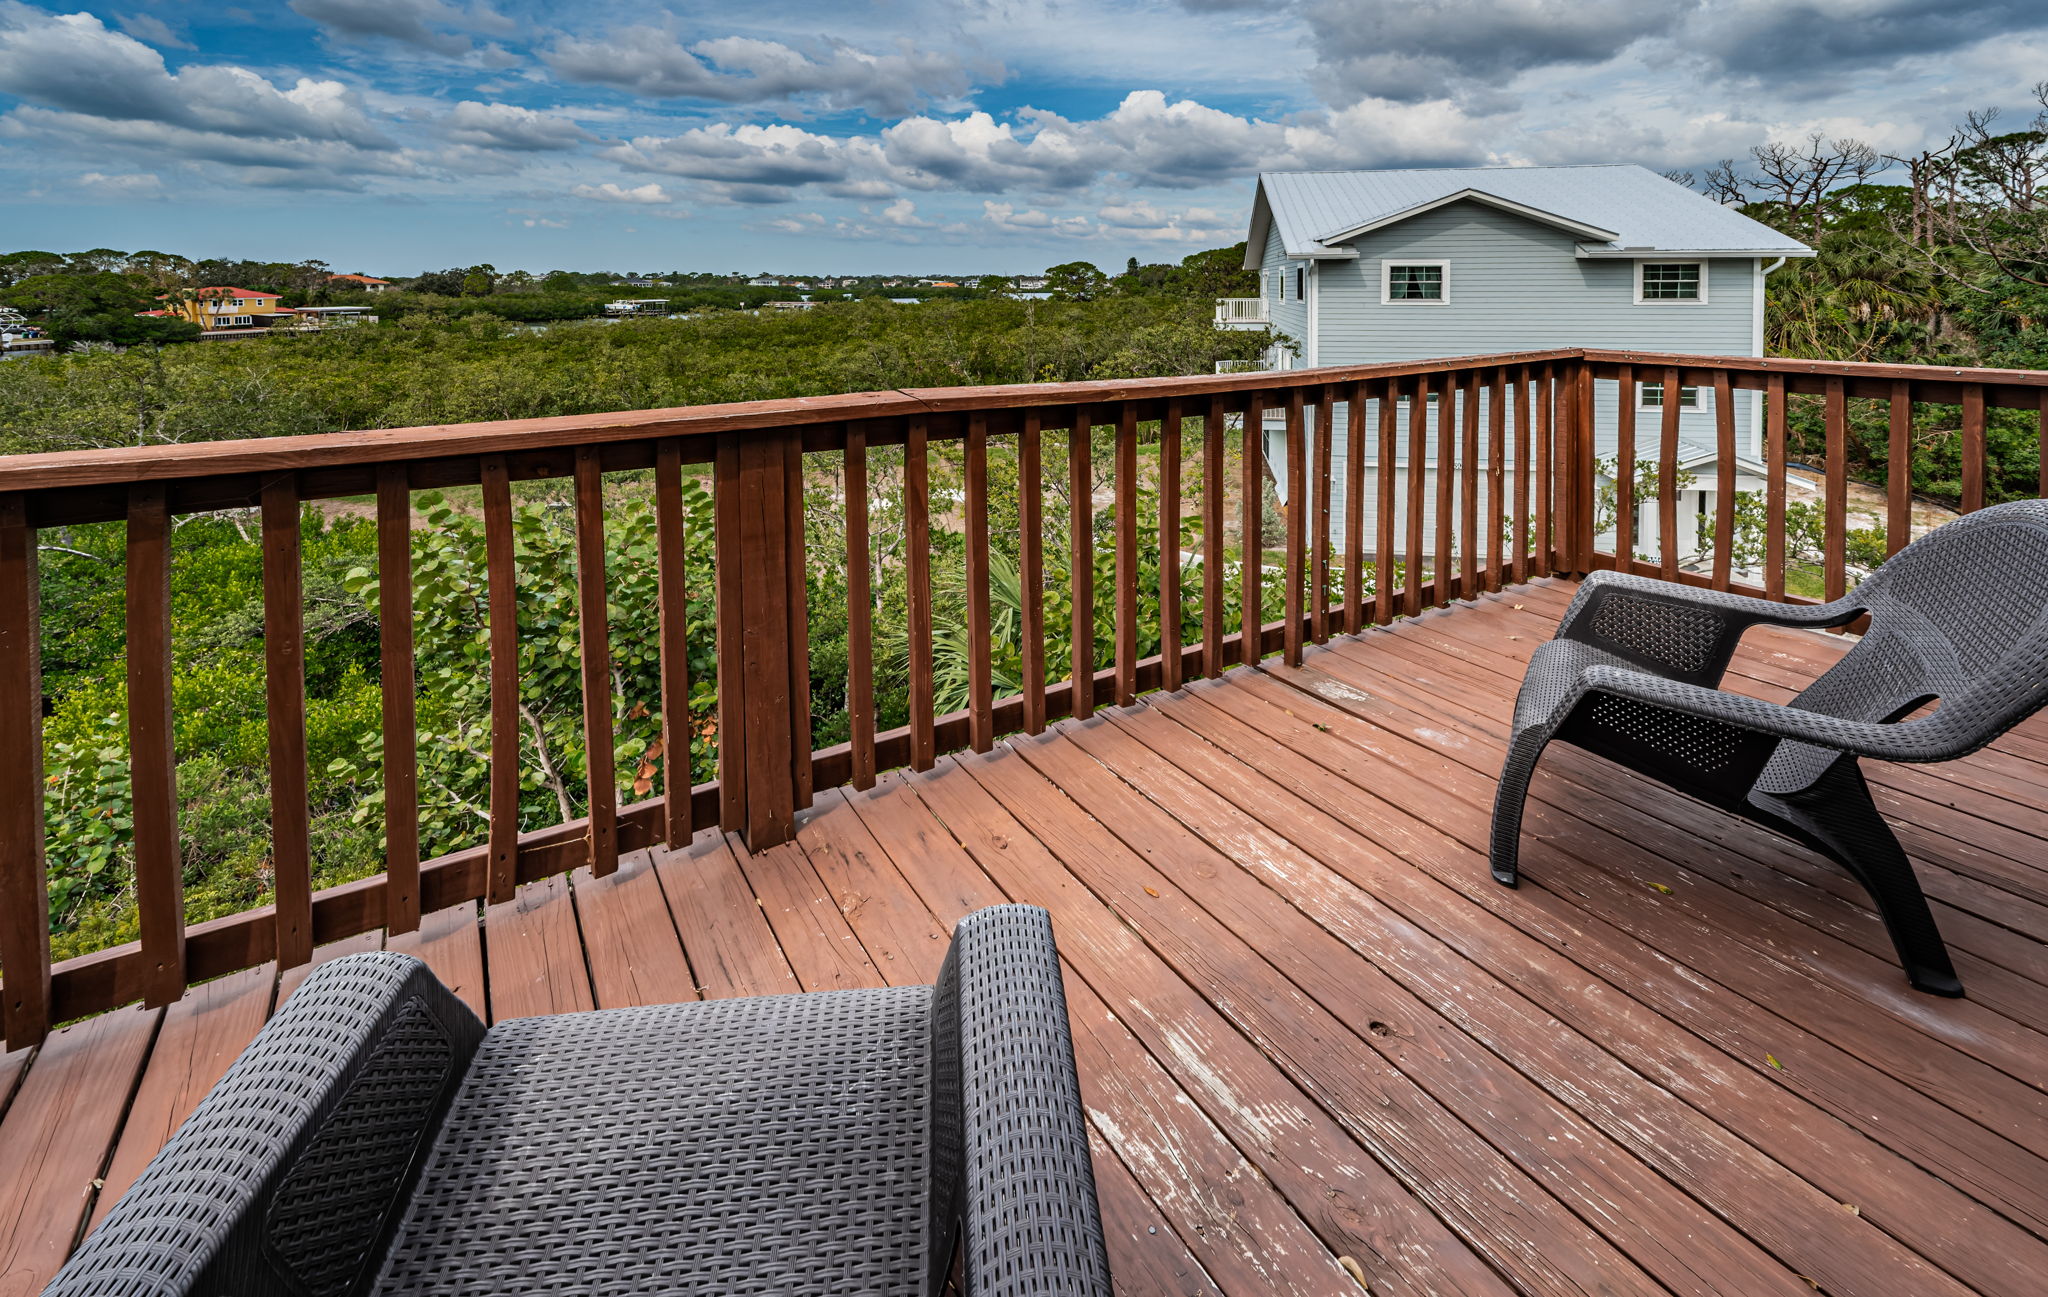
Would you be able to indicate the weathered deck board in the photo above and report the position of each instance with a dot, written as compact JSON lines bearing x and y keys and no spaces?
{"x":1680,"y":1058}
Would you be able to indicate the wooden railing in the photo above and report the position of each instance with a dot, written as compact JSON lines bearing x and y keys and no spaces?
{"x":1482,"y":473}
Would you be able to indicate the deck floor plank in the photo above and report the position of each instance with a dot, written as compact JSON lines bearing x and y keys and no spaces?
{"x":634,"y":953}
{"x":451,"y":942}
{"x":199,"y":1040}
{"x":1680,"y":1058}
{"x":781,"y":935}
{"x":533,"y":953}
{"x":57,"y":1136}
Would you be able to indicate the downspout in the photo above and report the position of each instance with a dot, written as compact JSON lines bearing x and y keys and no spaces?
{"x":1756,"y":408}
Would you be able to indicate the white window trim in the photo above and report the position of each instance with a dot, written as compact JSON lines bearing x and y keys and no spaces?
{"x":1701,"y":300}
{"x":1387,"y":297}
{"x":1703,"y":400}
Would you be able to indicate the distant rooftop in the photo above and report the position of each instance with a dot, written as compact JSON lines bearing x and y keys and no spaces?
{"x":1614,"y":210}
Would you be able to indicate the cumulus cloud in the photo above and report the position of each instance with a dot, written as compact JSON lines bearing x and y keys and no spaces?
{"x":506,"y":126}
{"x":1409,"y":52}
{"x":610,"y":192}
{"x":737,"y":69}
{"x":73,"y":64}
{"x":152,"y":30}
{"x":127,"y":187}
{"x":1146,"y":141}
{"x":431,"y":25}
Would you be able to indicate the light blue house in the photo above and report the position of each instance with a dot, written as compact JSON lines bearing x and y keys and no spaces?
{"x":1358,"y":267}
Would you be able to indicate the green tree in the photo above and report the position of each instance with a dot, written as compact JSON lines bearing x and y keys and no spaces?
{"x":1075,"y":281}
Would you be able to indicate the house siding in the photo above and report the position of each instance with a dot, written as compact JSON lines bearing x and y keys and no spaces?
{"x":1514,"y":285}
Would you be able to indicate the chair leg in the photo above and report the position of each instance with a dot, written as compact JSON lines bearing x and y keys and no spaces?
{"x":1509,"y":799}
{"x":1837,"y":817}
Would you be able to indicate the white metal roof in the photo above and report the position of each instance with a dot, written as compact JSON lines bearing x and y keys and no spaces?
{"x":1637,"y":210}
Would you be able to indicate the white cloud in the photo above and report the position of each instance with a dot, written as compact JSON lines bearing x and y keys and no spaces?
{"x":430,"y":25}
{"x":73,"y":63}
{"x":737,"y":69}
{"x":506,"y":126}
{"x":126,"y":187}
{"x":608,"y":192}
{"x":153,"y":30}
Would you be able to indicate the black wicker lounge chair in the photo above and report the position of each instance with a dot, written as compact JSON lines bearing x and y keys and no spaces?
{"x":376,"y":1139}
{"x":1959,"y":616}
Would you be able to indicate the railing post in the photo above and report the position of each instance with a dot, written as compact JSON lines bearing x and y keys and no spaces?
{"x":1576,"y":527}
{"x":763,"y":722}
{"x":24,"y":888}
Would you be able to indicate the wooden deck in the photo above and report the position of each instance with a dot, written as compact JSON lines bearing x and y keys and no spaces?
{"x":1680,"y":1058}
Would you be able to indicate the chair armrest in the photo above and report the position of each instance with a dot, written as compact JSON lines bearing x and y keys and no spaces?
{"x":1926,"y":739}
{"x":1677,"y":631}
{"x":287,"y":1177}
{"x":1011,"y":1174}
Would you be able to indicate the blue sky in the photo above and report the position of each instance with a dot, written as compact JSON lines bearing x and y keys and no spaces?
{"x":395,"y":136}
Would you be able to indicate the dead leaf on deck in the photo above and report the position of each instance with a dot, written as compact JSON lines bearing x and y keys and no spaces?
{"x":1352,"y":1268}
{"x":1150,"y":892}
{"x":1661,"y":888}
{"x":1852,"y":1209}
{"x":1773,"y":1061}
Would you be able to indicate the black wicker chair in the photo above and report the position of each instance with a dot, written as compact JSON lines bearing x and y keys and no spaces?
{"x":1959,"y":616}
{"x":376,"y":1139}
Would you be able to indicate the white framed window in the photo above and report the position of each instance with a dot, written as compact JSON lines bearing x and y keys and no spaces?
{"x":1663,"y":282}
{"x":1300,"y":283}
{"x":1411,"y":282}
{"x":1650,"y":396}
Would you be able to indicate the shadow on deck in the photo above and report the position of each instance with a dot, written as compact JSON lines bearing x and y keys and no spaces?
{"x":1680,"y":1058}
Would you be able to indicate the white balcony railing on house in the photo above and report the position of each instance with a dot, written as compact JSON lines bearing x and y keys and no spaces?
{"x":1241,"y":310}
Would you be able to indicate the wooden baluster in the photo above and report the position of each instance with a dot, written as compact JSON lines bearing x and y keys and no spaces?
{"x":1081,"y":557}
{"x":1383,"y":486}
{"x":980,"y":686}
{"x":1418,"y":462}
{"x":1625,"y":468}
{"x":1127,"y":554}
{"x":152,"y":761}
{"x":1251,"y":527}
{"x":1169,"y":546}
{"x":2041,"y":442}
{"x":1543,"y":485}
{"x":1898,"y":518}
{"x":24,"y":881}
{"x":1354,"y":510}
{"x":1212,"y":538}
{"x":860,"y":611}
{"x":1582,"y":468}
{"x":401,"y":724}
{"x":502,"y":578}
{"x":594,"y":645}
{"x":1835,"y":513}
{"x":1468,"y":489}
{"x":1774,"y":486}
{"x":1298,"y":505}
{"x":1724,"y":479}
{"x":1973,"y":447}
{"x":284,"y":661}
{"x":796,"y":601}
{"x":917,"y":503}
{"x":672,"y":596}
{"x":1523,"y":473}
{"x":1321,"y":491}
{"x":729,"y":568}
{"x":1496,"y":476}
{"x":1031,"y":568}
{"x":1442,"y":577}
{"x":1667,"y":477}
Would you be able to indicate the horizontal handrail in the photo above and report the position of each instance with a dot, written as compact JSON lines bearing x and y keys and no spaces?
{"x":1458,"y":476}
